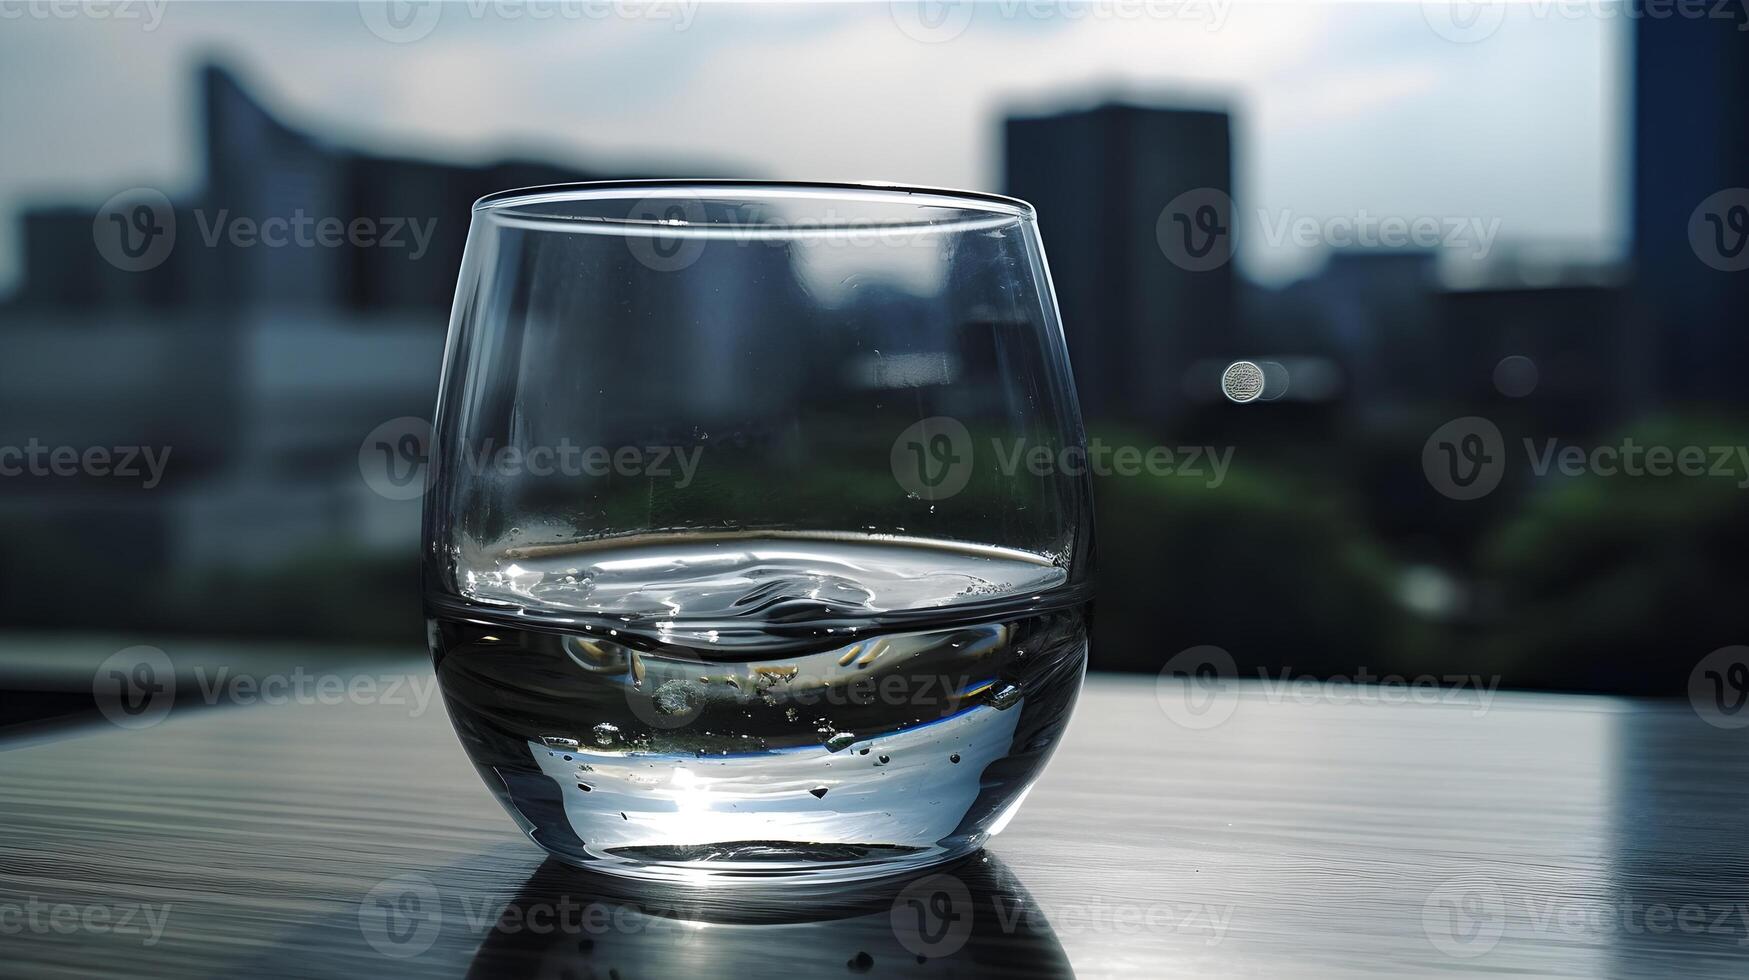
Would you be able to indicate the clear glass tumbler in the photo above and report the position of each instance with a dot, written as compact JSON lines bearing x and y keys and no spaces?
{"x":757,"y":542}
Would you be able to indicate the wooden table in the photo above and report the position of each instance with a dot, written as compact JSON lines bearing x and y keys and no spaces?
{"x":1306,"y":834}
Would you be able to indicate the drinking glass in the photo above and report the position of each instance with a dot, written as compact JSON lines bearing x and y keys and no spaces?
{"x":757,"y":542}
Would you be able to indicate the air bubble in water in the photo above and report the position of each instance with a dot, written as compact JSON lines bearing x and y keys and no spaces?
{"x":605,"y":734}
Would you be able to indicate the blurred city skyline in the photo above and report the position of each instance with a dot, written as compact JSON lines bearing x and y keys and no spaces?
{"x":277,"y":374}
{"x":1337,"y":109}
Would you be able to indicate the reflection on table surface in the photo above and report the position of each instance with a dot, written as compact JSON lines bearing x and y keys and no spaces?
{"x":1300,"y":831}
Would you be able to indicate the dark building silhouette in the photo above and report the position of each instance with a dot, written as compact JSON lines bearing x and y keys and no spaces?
{"x":257,"y":168}
{"x":1690,"y":142}
{"x":1575,"y":344}
{"x":1100,"y":179}
{"x":1375,"y":305}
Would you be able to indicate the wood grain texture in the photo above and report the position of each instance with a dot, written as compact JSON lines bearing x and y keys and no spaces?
{"x":1540,"y":835}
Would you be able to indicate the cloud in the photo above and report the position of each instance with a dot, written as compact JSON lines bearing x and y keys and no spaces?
{"x":1333,"y":103}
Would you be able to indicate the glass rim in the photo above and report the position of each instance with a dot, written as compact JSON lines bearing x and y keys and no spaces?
{"x":979,"y":202}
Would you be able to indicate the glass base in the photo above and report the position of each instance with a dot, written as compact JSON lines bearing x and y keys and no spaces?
{"x":766,"y":861}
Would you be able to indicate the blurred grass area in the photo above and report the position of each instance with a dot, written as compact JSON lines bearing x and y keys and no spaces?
{"x":49,"y":680}
{"x":1276,"y":565}
{"x":329,"y":591}
{"x":1612,"y":583}
{"x":1623,"y":582}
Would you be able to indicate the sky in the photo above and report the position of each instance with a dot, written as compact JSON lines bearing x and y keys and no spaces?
{"x":1340,"y":110}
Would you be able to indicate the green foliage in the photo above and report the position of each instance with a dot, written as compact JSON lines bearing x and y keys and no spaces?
{"x":1605,"y":578}
{"x":1275,"y":567}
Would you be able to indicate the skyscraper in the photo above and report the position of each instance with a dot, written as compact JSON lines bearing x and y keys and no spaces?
{"x":1135,"y":207}
{"x":1691,"y":199}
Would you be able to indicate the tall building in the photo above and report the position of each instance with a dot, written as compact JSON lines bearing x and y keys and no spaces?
{"x":1691,"y":199}
{"x":1138,"y":315}
{"x":259,"y":169}
{"x":1374,"y":307}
